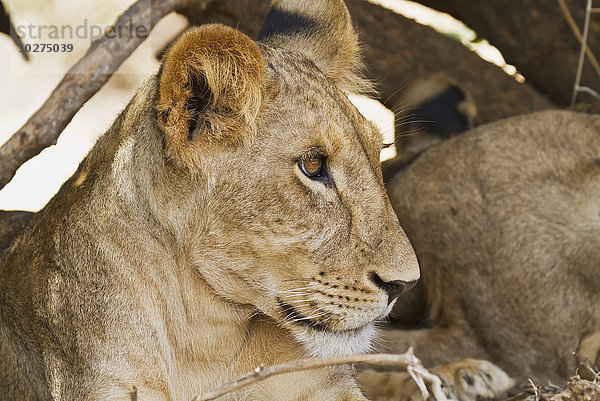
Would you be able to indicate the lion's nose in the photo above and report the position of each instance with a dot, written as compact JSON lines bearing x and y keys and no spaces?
{"x":392,"y":288}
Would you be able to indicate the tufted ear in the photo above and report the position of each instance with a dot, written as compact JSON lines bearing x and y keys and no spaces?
{"x":322,"y":31}
{"x":209,"y":92}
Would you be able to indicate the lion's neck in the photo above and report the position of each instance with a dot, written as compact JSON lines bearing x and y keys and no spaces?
{"x":198,"y":336}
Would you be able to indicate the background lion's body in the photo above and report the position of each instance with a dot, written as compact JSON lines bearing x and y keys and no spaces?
{"x":505,"y":221}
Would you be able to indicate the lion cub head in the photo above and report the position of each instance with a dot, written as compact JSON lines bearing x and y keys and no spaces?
{"x":275,"y":193}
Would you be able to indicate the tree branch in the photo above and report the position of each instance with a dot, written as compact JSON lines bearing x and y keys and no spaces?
{"x":81,"y":82}
{"x":407,"y":360}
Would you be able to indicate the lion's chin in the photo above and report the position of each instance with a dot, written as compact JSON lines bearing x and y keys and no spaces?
{"x":323,"y":344}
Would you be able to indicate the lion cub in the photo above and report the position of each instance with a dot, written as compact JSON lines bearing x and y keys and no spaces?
{"x":233,"y":215}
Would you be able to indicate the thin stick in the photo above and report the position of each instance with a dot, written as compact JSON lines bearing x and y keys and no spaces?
{"x":133,"y":395}
{"x":535,"y":390}
{"x":586,"y":27}
{"x":420,"y":374}
{"x":589,"y":91}
{"x":573,"y":25}
{"x":407,"y":360}
{"x":81,"y":82}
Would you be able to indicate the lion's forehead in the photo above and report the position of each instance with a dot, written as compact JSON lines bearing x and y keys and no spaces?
{"x":299,"y":94}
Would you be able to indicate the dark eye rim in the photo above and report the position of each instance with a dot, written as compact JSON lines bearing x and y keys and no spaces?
{"x":313,"y":153}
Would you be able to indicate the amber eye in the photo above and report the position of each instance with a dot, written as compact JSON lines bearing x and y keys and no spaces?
{"x":312,"y":165}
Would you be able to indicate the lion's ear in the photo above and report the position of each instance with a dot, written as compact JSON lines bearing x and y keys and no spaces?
{"x":322,"y":31}
{"x":209,"y":91}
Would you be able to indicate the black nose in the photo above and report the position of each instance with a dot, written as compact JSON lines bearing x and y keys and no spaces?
{"x":392,"y":288}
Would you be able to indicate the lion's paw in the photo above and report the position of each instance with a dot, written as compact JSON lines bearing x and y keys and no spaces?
{"x":463,"y":380}
{"x":473,"y":379}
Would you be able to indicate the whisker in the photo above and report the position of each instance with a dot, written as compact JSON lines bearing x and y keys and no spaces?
{"x":394,"y":93}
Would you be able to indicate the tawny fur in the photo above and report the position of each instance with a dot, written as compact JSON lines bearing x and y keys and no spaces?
{"x":324,"y":17}
{"x":234,"y":70}
{"x":165,"y":261}
{"x":505,"y":223}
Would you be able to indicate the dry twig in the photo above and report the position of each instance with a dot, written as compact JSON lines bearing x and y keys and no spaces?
{"x":577,"y":389}
{"x":81,"y":82}
{"x":407,"y":360}
{"x":584,"y":47}
{"x":521,"y":396}
{"x":571,"y":22}
{"x":535,"y":389}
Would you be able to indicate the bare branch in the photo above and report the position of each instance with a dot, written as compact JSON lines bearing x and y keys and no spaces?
{"x":81,"y":82}
{"x":407,"y":360}
{"x":569,"y":18}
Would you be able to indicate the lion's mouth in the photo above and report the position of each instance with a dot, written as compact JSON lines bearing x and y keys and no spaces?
{"x":292,"y":314}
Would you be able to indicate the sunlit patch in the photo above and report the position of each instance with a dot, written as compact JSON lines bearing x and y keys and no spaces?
{"x":82,"y":177}
{"x":119,"y":171}
{"x":450,"y":26}
{"x":381,"y":117}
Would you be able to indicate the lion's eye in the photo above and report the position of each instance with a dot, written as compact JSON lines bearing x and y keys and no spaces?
{"x":312,"y":165}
